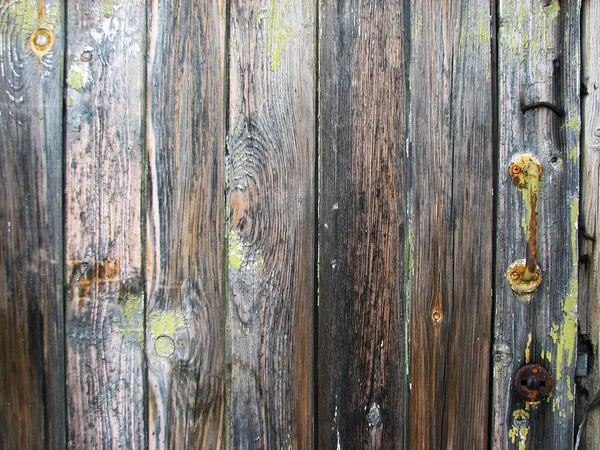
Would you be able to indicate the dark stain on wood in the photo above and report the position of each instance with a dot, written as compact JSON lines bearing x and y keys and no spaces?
{"x":271,"y":173}
{"x":32,"y":364}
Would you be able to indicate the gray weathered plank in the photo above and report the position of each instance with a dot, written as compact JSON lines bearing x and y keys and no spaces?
{"x":185,"y":143}
{"x":363,"y":232}
{"x":588,"y":387}
{"x":271,"y":172}
{"x":538,"y":61}
{"x":32,"y":410}
{"x":103,"y":229}
{"x":451,"y":209}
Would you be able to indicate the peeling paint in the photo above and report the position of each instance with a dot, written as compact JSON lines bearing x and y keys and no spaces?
{"x":520,"y":428}
{"x":528,"y":349}
{"x":574,"y":230}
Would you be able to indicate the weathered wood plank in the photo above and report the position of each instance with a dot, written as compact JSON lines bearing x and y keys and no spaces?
{"x":451,"y":209}
{"x":363,"y":233}
{"x":538,"y":61}
{"x":104,"y":172}
{"x":32,"y":410}
{"x":271,"y":173}
{"x":185,"y":143}
{"x":588,"y":387}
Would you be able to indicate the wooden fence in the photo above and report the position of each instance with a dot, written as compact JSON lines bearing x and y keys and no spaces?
{"x":283,"y":224}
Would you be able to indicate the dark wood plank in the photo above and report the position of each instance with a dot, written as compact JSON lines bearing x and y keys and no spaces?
{"x":104,"y":172}
{"x":363,"y":232}
{"x":588,"y":387}
{"x":185,"y":143}
{"x":538,"y":61}
{"x":32,"y":410}
{"x":451,"y":209}
{"x":271,"y":173}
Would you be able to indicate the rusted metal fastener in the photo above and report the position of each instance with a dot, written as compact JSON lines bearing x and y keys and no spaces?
{"x":533,"y":383}
{"x":527,"y":173}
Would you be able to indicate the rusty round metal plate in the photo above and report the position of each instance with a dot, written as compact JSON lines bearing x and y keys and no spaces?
{"x":533,"y":383}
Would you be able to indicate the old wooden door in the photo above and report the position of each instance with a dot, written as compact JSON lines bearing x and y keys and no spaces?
{"x":261,"y":224}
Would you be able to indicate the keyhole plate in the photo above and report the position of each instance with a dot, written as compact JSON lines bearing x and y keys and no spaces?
{"x":533,"y":383}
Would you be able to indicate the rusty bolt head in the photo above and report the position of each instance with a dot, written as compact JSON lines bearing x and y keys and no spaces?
{"x":533,"y":383}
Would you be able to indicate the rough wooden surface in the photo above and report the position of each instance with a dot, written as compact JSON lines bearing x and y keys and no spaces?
{"x":451,"y":211}
{"x":363,"y":233}
{"x":271,"y":173}
{"x":185,"y":336}
{"x":32,"y":410}
{"x":104,"y":152}
{"x":538,"y":61}
{"x":588,"y":387}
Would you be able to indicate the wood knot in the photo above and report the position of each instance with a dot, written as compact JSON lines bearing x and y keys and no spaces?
{"x":41,"y":41}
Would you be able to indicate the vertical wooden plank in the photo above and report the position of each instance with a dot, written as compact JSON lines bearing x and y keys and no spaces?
{"x":104,"y":173}
{"x":363,"y":232}
{"x":271,"y":172}
{"x":538,"y":61}
{"x":588,"y":387}
{"x":32,"y":411}
{"x":185,"y":143}
{"x":451,"y":209}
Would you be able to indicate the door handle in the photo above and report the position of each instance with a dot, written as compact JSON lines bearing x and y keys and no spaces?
{"x":527,"y":173}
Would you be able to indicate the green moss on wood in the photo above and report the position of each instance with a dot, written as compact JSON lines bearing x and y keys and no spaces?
{"x":165,"y":324}
{"x":553,"y":10}
{"x":78,"y":76}
{"x":278,"y":31}
{"x":236,"y":250}
{"x":23,"y":16}
{"x":107,"y":7}
{"x":131,"y":325}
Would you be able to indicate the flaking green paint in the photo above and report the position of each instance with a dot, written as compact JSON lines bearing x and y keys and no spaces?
{"x":165,"y":324}
{"x":518,"y":434}
{"x":574,"y":230}
{"x":565,"y":337}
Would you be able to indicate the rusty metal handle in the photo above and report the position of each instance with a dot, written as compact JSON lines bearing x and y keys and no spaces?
{"x":527,"y":173}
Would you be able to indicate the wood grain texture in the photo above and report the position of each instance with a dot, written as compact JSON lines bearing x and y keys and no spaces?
{"x":588,"y":388}
{"x":185,"y":142}
{"x":450,"y":202}
{"x":363,"y":232}
{"x":32,"y":410}
{"x":104,"y":172}
{"x":538,"y":61}
{"x":271,"y":173}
